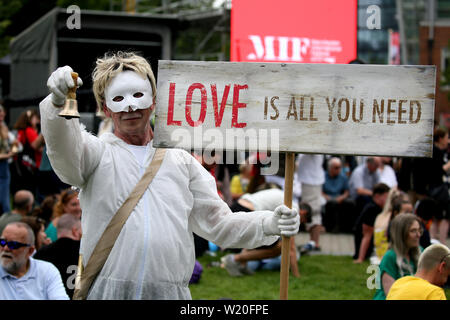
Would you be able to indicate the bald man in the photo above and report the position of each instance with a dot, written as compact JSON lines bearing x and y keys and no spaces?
{"x":21,"y":276}
{"x":22,"y":205}
{"x":63,"y":253}
{"x":432,"y":273}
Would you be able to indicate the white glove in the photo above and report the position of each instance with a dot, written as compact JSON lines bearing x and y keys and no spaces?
{"x":59,"y":83}
{"x":284,"y":221}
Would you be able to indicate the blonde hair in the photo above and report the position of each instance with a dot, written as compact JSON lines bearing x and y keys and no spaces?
{"x":387,"y":209}
{"x":399,"y":232}
{"x":433,"y":255}
{"x":393,"y":204}
{"x":112,"y":64}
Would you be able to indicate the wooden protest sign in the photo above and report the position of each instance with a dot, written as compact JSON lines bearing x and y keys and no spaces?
{"x":307,"y":108}
{"x":315,"y":108}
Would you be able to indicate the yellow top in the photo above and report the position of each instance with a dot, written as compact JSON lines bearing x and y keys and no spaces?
{"x":380,"y":237}
{"x":413,"y":288}
{"x":235,"y":185}
{"x":381,"y":243}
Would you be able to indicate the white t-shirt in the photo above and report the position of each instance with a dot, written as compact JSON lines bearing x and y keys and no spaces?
{"x":387,"y":176}
{"x":267,"y":199}
{"x":139,"y":152}
{"x":297,"y":186}
{"x":310,"y":170}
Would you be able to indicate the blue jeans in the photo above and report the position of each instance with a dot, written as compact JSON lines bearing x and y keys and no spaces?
{"x":265,"y":264}
{"x":5,"y":180}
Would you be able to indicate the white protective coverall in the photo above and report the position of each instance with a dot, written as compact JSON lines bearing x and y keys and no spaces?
{"x":153,"y":257}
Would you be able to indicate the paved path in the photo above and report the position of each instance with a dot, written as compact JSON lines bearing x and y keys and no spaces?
{"x":337,"y":244}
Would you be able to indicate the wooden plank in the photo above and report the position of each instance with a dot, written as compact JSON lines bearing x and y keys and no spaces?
{"x":308,"y":108}
{"x":286,"y":241}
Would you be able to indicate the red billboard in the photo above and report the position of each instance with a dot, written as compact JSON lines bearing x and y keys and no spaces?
{"x":319,"y":31}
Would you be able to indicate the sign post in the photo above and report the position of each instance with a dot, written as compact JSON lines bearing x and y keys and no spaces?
{"x":285,"y":241}
{"x":307,"y":108}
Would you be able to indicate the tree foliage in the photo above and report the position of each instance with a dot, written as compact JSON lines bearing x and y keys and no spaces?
{"x":9,"y":8}
{"x":85,"y":4}
{"x":17,"y":15}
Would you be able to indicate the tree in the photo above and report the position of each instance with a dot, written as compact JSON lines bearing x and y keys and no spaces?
{"x":202,"y":39}
{"x":9,"y":9}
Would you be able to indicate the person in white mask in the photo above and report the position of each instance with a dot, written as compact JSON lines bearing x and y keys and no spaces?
{"x":153,"y":256}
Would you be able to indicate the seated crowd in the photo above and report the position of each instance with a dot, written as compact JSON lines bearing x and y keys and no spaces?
{"x":39,"y":250}
{"x":394,"y":207}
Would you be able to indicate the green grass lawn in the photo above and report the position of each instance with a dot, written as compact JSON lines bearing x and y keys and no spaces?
{"x":322,"y":278}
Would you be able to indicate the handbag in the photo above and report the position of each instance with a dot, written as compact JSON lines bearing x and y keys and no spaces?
{"x":86,"y":276}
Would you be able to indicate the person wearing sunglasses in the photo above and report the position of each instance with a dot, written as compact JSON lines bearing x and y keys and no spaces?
{"x":21,"y":276}
{"x":432,"y":273}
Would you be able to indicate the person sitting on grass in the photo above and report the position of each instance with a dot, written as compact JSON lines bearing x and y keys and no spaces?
{"x":402,"y":257}
{"x":239,"y":182}
{"x":364,"y":226}
{"x":21,"y":276}
{"x":432,"y":273}
{"x":398,"y":202}
{"x":267,"y":257}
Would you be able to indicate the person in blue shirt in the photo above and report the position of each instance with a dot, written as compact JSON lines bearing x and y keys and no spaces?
{"x":21,"y":276}
{"x":338,"y":213}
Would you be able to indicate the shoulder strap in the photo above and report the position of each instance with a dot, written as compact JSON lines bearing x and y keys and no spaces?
{"x":112,"y":231}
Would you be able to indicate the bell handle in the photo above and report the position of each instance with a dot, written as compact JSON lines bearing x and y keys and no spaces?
{"x":72,"y":93}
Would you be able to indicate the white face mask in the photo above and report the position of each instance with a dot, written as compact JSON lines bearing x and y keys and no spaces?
{"x":128,"y":89}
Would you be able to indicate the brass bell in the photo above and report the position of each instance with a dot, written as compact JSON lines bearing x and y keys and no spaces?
{"x":70,"y":109}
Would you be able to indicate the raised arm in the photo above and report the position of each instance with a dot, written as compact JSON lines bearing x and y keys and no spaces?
{"x":73,"y":152}
{"x":213,"y":220}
